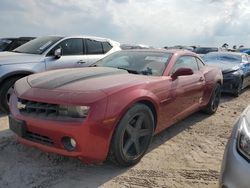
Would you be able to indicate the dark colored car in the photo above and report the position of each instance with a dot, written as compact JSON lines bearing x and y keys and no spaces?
{"x":204,"y":50}
{"x":180,"y":47}
{"x":244,"y":50}
{"x":235,"y":68}
{"x":115,"y":107}
{"x":9,"y":44}
{"x":235,"y":168}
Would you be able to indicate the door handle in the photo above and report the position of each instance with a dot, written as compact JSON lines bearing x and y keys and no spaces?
{"x":201,"y":79}
{"x":81,"y":62}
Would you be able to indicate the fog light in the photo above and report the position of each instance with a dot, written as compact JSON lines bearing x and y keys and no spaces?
{"x":69,"y":143}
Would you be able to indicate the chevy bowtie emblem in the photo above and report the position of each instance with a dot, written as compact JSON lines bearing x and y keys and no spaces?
{"x":20,"y":106}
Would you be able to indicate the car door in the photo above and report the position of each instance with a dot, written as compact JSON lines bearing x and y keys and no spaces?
{"x":187,"y":90}
{"x":95,"y":50}
{"x":73,"y":55}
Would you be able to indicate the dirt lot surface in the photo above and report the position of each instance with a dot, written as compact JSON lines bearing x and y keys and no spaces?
{"x":186,"y":155}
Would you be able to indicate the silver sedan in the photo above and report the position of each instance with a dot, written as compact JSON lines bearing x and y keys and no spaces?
{"x":235,"y":171}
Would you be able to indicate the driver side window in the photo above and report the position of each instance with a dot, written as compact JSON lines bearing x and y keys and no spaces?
{"x":69,"y":47}
{"x":185,"y":62}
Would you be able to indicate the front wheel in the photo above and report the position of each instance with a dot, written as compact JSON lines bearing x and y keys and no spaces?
{"x":214,"y":101}
{"x":132,"y":136}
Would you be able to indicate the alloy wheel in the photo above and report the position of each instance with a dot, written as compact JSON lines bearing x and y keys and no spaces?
{"x":216,"y":98}
{"x":136,"y":136}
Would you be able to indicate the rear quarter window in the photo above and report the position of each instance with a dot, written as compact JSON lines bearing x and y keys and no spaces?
{"x":106,"y":47}
{"x":94,"y":47}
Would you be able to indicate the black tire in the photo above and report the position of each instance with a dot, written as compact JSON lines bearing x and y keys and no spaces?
{"x":132,"y":136}
{"x":214,"y":101}
{"x":239,"y":89}
{"x":5,"y":92}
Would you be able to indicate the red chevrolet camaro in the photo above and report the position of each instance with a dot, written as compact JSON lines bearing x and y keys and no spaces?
{"x":112,"y":109}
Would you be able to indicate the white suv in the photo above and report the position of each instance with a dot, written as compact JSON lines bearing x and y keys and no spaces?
{"x":48,"y":53}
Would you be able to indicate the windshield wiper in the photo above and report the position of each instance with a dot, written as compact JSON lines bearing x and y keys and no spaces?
{"x":129,"y":70}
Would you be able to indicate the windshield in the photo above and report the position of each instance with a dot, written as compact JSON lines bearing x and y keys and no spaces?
{"x":4,"y":43}
{"x":137,"y":62}
{"x":205,"y":50}
{"x":38,"y":45}
{"x":230,"y":58}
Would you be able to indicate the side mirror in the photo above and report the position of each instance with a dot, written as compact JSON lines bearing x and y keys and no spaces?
{"x":182,"y":72}
{"x":58,"y":53}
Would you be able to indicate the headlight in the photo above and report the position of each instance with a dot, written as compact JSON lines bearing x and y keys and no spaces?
{"x":231,"y":74}
{"x":244,"y":138}
{"x":74,"y":111}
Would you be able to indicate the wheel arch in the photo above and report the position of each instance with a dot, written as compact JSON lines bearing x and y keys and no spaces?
{"x":152,"y":107}
{"x":219,"y":81}
{"x":148,"y":100}
{"x":14,"y":74}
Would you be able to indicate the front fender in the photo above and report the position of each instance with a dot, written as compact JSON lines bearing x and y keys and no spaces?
{"x":120,"y":102}
{"x":20,"y":69}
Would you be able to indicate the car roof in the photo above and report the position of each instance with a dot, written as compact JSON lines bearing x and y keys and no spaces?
{"x":229,"y":53}
{"x":243,"y":49}
{"x":89,"y":37}
{"x":206,"y":47}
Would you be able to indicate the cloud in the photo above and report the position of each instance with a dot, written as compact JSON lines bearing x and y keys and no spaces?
{"x":158,"y":22}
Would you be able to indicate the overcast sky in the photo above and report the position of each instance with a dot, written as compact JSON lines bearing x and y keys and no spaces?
{"x":153,"y":22}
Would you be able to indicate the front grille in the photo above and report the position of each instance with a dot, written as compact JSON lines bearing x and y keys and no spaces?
{"x":38,"y":138}
{"x":28,"y":107}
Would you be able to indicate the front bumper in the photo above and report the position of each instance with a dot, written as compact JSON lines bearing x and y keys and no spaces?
{"x":235,"y":169}
{"x":231,"y":83}
{"x":92,"y":137}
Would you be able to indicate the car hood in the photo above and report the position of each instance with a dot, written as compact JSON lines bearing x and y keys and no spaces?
{"x":15,"y":58}
{"x":85,"y":79}
{"x":225,"y":67}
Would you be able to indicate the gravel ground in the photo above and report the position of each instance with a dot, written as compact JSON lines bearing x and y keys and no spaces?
{"x":186,"y":155}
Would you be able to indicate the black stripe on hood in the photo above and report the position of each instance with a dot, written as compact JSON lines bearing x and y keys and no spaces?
{"x":55,"y":79}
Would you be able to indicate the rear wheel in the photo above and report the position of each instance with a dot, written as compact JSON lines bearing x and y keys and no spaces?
{"x":132,"y":136}
{"x":214,"y":101}
{"x":6,"y":90}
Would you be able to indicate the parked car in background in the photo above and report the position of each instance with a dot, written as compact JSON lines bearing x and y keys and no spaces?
{"x":9,"y":44}
{"x":235,"y":68}
{"x":48,"y":53}
{"x":235,"y":168}
{"x":113,"y":108}
{"x":204,"y":50}
{"x":180,"y":47}
{"x":244,"y":50}
{"x":135,"y":46}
